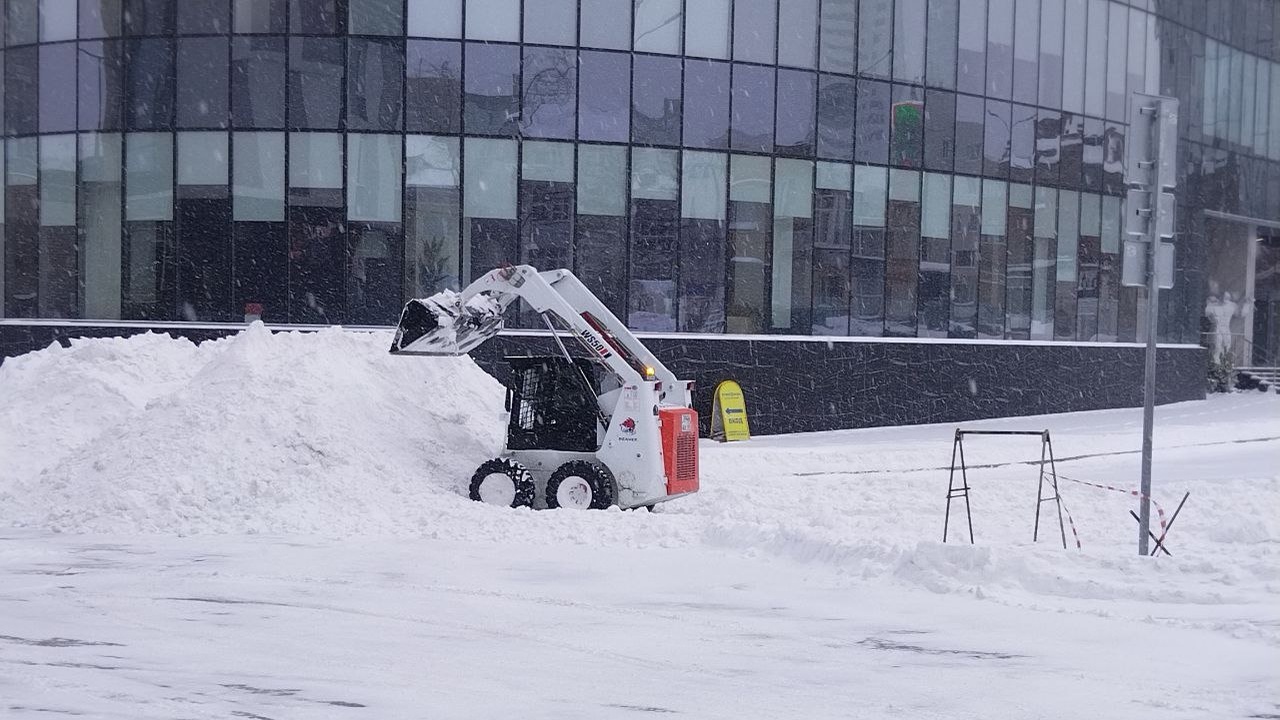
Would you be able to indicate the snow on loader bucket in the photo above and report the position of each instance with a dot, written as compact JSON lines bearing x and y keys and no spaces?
{"x":610,"y":425}
{"x":445,"y":325}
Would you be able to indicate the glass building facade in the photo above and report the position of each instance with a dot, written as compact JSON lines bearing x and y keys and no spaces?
{"x":909,"y":168}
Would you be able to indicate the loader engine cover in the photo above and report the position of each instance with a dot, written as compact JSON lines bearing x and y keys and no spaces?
{"x":679,"y":429}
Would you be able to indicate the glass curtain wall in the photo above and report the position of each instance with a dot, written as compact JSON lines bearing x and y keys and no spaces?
{"x":927,"y":168}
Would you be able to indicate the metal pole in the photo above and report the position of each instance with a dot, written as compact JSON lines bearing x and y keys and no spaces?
{"x":1153,"y":310}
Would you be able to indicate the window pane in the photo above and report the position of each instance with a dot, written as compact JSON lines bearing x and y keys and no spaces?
{"x":935,"y":257}
{"x":966,"y":229}
{"x":1068,"y":243}
{"x":375,"y":17}
{"x":550,"y":92}
{"x":601,"y":225}
{"x":792,"y":245}
{"x":1095,"y":87}
{"x":20,"y":91}
{"x":1052,"y":21}
{"x":902,"y":253}
{"x":258,"y":16}
{"x":58,"y":22}
{"x":795,"y":117}
{"x":939,"y":130}
{"x":908,"y":57}
{"x":655,"y":223}
{"x":1117,"y":55}
{"x":100,"y":18}
{"x":750,"y":201}
{"x":149,"y":64}
{"x":754,"y":26}
{"x":149,"y":176}
{"x":493,"y":20}
{"x":1092,"y":153}
{"x":602,"y":186}
{"x":1074,"y":48}
{"x":202,"y":158}
{"x":837,"y":103}
{"x":257,"y":188}
{"x":435,"y":18}
{"x":941,"y":54}
{"x":100,"y":190}
{"x":203,"y":16}
{"x":992,"y":264}
{"x":313,"y":17}
{"x":552,"y":22}
{"x":315,"y":160}
{"x":22,"y":22}
{"x":706,"y":105}
{"x":907,"y":145}
{"x":1023,"y":144}
{"x":202,"y":82}
{"x":373,"y":177}
{"x":431,"y":214}
{"x":798,"y":34}
{"x":546,"y":208}
{"x":606,"y":24}
{"x":57,"y":180}
{"x":996,"y":146}
{"x":315,"y":82}
{"x":603,"y":100}
{"x":1043,"y":268}
{"x":872,"y":123}
{"x":101,"y":85}
{"x":490,"y":180}
{"x":969,"y":134}
{"x":753,"y":95}
{"x":875,"y":37}
{"x":375,"y":81}
{"x":1000,"y":48}
{"x":707,"y":29}
{"x":491,"y":104}
{"x":702,"y":242}
{"x":434,"y":93}
{"x":1048,"y":134}
{"x":57,"y":76}
{"x":257,"y":82}
{"x":972,"y":46}
{"x":657,"y":26}
{"x":1021,"y":259}
{"x":831,"y":268}
{"x":1026,"y":48}
{"x":837,"y":51}
{"x":655,"y":101}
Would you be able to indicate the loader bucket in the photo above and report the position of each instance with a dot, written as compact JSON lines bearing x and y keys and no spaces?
{"x":443,"y":325}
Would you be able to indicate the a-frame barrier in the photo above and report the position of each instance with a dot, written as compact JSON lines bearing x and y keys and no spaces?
{"x":1048,"y":469}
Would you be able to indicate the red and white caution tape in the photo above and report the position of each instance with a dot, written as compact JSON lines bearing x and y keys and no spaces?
{"x":1134,"y":493}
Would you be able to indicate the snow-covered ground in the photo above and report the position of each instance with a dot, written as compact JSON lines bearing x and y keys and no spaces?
{"x":274,"y":527}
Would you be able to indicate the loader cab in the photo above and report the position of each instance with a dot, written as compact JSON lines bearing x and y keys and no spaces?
{"x":551,"y":406}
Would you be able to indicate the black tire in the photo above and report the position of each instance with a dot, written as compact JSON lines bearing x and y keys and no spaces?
{"x":597,"y":477}
{"x":520,"y":478}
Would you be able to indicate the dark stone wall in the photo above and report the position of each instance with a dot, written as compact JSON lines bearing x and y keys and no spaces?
{"x":800,"y":386}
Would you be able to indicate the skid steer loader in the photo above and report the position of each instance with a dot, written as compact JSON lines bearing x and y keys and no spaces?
{"x":612,"y":428}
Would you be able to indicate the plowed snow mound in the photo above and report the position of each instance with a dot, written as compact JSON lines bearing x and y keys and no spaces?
{"x":294,"y":432}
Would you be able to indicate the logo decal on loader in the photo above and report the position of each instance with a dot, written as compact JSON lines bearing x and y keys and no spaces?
{"x":629,"y":426}
{"x":595,"y":343}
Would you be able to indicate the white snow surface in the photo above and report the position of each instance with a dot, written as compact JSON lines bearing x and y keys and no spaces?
{"x":275,"y":526}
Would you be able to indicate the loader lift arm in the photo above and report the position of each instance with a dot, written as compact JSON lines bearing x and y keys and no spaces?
{"x":455,"y":323}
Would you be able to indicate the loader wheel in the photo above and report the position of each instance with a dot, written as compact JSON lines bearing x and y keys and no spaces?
{"x":580,"y":485}
{"x":502,"y":481}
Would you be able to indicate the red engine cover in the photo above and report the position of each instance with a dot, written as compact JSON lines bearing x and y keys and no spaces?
{"x":679,"y":428}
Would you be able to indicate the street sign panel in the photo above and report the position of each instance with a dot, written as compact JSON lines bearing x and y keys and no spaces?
{"x":1133,"y":264}
{"x":1137,"y":212}
{"x":1142,"y":167}
{"x":1164,"y":266}
{"x":1165,"y":215}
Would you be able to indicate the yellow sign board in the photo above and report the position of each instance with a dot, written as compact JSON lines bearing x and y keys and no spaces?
{"x":729,"y":413}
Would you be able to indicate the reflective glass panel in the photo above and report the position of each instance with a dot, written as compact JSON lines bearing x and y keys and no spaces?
{"x":798,"y":34}
{"x":433,"y":93}
{"x":202,"y":83}
{"x":257,"y":185}
{"x":435,"y":18}
{"x":550,"y":93}
{"x":491,"y":104}
{"x":606,"y":23}
{"x":551,"y":22}
{"x":707,"y":32}
{"x":753,"y":97}
{"x":755,"y":23}
{"x":655,"y":100}
{"x":837,"y":51}
{"x":706,"y":104}
{"x":908,"y":52}
{"x":493,"y":20}
{"x":795,"y":117}
{"x":375,"y":82}
{"x":941,"y":38}
{"x":604,"y":96}
{"x":257,"y":82}
{"x":657,"y":26}
{"x":875,"y":38}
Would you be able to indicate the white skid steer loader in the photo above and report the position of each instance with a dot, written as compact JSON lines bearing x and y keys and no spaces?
{"x":615,"y":427}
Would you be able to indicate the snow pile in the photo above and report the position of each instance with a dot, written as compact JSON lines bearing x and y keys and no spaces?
{"x":294,"y":432}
